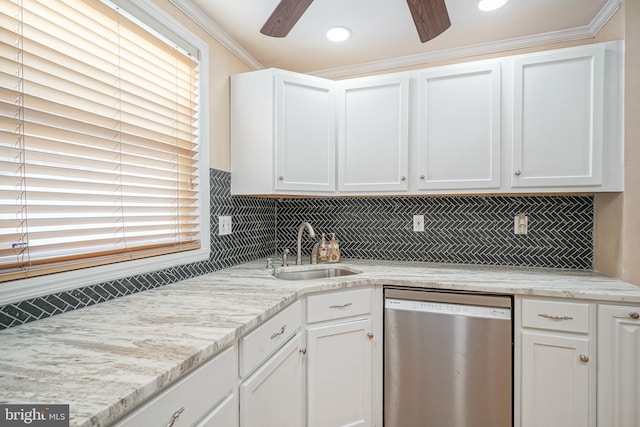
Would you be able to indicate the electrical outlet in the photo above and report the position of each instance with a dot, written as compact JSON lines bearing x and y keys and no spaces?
{"x":520,"y":223}
{"x":418,"y":223}
{"x":224,"y":225}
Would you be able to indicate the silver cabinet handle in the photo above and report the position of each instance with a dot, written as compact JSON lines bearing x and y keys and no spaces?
{"x":276,"y":334}
{"x":422,"y":176}
{"x":518,"y":172}
{"x":175,"y":416}
{"x":548,"y":316}
{"x":403,"y":178}
{"x":370,"y":335}
{"x":584,"y":358}
{"x":303,"y":351}
{"x":281,"y":178}
{"x":341,"y":306}
{"x":634,"y":315}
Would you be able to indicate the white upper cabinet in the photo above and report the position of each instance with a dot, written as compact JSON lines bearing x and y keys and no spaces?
{"x":459,"y":127}
{"x":373,"y":134}
{"x":533,"y":123}
{"x":305,"y":134}
{"x":282,"y":133}
{"x":558,"y":120}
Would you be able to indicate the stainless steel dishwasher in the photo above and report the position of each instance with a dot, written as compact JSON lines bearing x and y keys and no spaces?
{"x":448,"y":359}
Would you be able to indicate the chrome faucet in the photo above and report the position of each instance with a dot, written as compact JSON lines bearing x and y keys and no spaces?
{"x":311,"y":234}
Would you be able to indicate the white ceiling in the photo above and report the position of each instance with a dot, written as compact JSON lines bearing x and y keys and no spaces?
{"x":384,"y":35}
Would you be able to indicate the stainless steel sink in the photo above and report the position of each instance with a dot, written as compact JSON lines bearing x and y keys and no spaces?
{"x":318,"y":273}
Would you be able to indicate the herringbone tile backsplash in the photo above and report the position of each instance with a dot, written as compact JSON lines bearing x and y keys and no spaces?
{"x":253,"y":237}
{"x":468,"y":230}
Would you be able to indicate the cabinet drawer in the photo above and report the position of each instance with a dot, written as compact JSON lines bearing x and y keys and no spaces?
{"x":267,"y":338}
{"x":337,"y":305}
{"x":556,"y":315}
{"x":197,"y":393}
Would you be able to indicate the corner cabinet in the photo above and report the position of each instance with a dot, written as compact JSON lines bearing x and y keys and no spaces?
{"x":373,"y":134}
{"x":459,"y":127}
{"x":562,"y":119}
{"x":619,"y":366}
{"x":273,"y":395}
{"x":283,"y":133}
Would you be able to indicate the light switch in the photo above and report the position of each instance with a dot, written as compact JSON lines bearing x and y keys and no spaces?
{"x":520,"y":223}
{"x":418,"y":223}
{"x":224,"y":225}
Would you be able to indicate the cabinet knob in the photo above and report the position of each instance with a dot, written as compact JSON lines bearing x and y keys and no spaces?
{"x":584,"y":358}
{"x":281,"y":178}
{"x":175,"y":416}
{"x":422,"y":176}
{"x":303,"y":351}
{"x":370,"y":335}
{"x":634,"y":315}
{"x":518,"y":172}
{"x":403,"y":178}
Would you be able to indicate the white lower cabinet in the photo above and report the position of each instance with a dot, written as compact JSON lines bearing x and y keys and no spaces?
{"x":339,"y":374}
{"x":207,"y":394}
{"x":344,"y":367}
{"x":555,"y":383}
{"x":558,"y":364}
{"x":273,"y":395}
{"x":619,"y":366}
{"x":223,"y":415}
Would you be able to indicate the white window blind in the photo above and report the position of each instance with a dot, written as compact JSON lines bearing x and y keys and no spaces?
{"x":98,"y":139}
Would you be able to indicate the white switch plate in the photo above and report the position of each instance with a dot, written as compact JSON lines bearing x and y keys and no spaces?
{"x":418,"y":223}
{"x":224,"y":225}
{"x":521,"y":224}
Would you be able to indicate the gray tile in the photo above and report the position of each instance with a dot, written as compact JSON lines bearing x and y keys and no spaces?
{"x":466,"y":230}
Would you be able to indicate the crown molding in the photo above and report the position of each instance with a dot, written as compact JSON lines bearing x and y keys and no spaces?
{"x":213,"y":29}
{"x":572,"y":34}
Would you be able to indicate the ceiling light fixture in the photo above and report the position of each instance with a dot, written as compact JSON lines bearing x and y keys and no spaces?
{"x":338,"y":34}
{"x":488,"y":5}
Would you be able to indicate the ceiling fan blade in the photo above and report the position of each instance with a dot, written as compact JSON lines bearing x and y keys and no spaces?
{"x":430,"y":16}
{"x":284,"y":17}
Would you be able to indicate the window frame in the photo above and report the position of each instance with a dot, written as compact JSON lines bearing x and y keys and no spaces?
{"x":151,"y":15}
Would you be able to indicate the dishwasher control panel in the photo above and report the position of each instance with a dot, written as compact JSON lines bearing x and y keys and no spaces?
{"x":444,"y":308}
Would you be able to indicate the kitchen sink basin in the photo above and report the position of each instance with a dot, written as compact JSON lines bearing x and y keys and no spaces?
{"x":318,"y":273}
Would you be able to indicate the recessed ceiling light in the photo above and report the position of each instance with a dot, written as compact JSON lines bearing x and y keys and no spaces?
{"x":488,"y":5}
{"x":338,"y":34}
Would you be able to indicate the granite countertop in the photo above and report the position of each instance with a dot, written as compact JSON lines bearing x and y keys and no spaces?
{"x":106,"y":359}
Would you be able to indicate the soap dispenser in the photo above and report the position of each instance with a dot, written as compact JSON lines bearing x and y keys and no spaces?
{"x":323,"y":250}
{"x":334,"y":249}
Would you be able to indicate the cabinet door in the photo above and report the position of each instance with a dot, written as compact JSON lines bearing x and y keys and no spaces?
{"x":459,"y":135}
{"x":619,"y":369}
{"x":305,"y":134}
{"x":339,"y":359}
{"x":272,"y":396}
{"x":556,"y":384}
{"x":224,"y":415}
{"x":558,"y":118}
{"x":373,"y":134}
